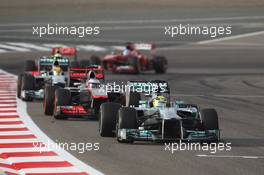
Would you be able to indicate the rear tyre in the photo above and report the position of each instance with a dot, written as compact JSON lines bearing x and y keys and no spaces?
{"x":134,"y":62}
{"x":107,"y":119}
{"x":84,"y":63}
{"x":117,"y":98}
{"x":19,"y":85}
{"x":74,"y":64}
{"x":28,"y":83}
{"x":48,"y":102}
{"x":62,"y":98}
{"x":127,"y":119}
{"x":133,"y":99}
{"x":160,"y":64}
{"x":30,"y":65}
{"x":95,"y":60}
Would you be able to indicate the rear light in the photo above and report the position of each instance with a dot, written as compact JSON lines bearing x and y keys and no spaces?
{"x":77,"y":75}
{"x":64,"y":50}
{"x":99,"y":76}
{"x":100,"y":97}
{"x":83,"y":72}
{"x":35,"y":72}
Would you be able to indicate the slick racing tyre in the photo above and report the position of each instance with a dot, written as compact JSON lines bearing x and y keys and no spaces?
{"x":30,"y":65}
{"x":107,"y":118}
{"x":209,"y":120}
{"x":134,"y":62}
{"x":48,"y":102}
{"x":84,"y":63}
{"x":74,"y":64}
{"x":160,"y":64}
{"x":127,"y":119}
{"x":27,"y":83}
{"x":117,"y":98}
{"x":19,"y":85}
{"x":95,"y":60}
{"x":62,"y":98}
{"x":133,"y":99}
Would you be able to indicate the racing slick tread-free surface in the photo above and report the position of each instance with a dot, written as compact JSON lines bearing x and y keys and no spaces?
{"x":209,"y":119}
{"x":127,"y":118}
{"x":74,"y":64}
{"x":135,"y":64}
{"x":133,"y":99}
{"x":160,"y":64}
{"x":84,"y":63}
{"x":49,"y":99}
{"x":95,"y":60}
{"x":30,"y":65}
{"x":62,"y":98}
{"x":28,"y":82}
{"x":107,"y":119}
{"x":19,"y":84}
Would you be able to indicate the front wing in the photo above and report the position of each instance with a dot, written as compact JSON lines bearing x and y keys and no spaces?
{"x":75,"y":111}
{"x":151,"y":135}
{"x":32,"y":94}
{"x":124,"y":69}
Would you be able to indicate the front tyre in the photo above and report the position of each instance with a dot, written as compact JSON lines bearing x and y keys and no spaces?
{"x":209,"y":120}
{"x":62,"y":98}
{"x":107,"y":119}
{"x":48,"y":102}
{"x":127,"y":119}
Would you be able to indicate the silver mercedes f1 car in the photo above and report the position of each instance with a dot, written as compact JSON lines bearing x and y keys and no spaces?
{"x":151,"y":115}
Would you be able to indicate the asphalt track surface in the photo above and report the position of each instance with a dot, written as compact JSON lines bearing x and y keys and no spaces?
{"x":227,"y":76}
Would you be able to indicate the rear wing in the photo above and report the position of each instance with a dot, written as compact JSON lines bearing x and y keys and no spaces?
{"x":49,"y":61}
{"x":156,"y":86}
{"x":143,"y":46}
{"x":46,"y":63}
{"x":71,"y":51}
{"x":82,"y":73}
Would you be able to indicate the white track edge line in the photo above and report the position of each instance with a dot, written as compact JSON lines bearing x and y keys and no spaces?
{"x":21,"y":109}
{"x":231,"y":37}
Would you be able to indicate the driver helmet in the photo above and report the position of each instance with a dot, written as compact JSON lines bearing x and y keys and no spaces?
{"x":56,"y":68}
{"x":57,"y":56}
{"x":92,"y":82}
{"x":159,"y":101}
{"x":56,"y":63}
{"x":130,"y":47}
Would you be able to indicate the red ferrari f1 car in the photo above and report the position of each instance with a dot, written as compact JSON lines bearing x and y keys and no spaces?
{"x":135,"y":58}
